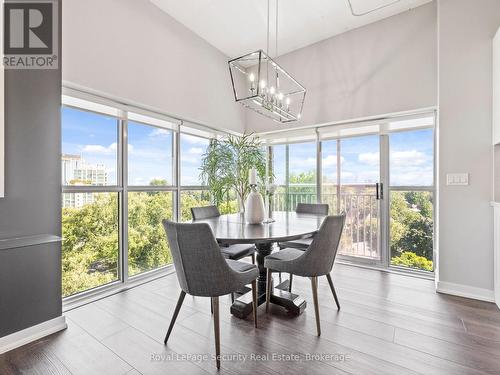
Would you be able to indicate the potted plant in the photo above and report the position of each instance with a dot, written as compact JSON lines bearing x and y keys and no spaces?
{"x":226,"y":164}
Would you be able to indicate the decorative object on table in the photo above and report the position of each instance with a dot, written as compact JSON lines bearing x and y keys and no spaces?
{"x":263,"y":86}
{"x":226,"y":164}
{"x":255,"y":211}
{"x":270,"y":190}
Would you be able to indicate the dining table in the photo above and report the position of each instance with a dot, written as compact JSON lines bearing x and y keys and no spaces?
{"x":287,"y":226}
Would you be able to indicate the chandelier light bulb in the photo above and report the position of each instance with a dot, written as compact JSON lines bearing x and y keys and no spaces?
{"x":299,"y":116}
{"x":272,"y":98}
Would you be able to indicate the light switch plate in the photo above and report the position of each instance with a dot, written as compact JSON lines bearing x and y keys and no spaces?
{"x":457,"y":179}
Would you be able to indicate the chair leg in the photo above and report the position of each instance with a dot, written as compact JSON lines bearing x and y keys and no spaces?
{"x":329,"y":277}
{"x":215,"y":303}
{"x":174,"y":317}
{"x":314,"y":284}
{"x":290,"y":279}
{"x":211,"y":306}
{"x":279,"y":276}
{"x":253,"y":258}
{"x":268,"y":288}
{"x":254,"y":302}
{"x":232,"y":297}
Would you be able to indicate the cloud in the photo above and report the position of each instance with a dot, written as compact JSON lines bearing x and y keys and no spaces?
{"x":195,"y":151}
{"x":408,"y":158}
{"x":194,"y":140}
{"x":398,"y":158}
{"x":306,"y":164}
{"x":186,"y":159}
{"x":139,"y":181}
{"x":331,"y":161}
{"x":412,"y":175}
{"x":160,"y":133}
{"x":99,"y":149}
{"x":370,"y":158}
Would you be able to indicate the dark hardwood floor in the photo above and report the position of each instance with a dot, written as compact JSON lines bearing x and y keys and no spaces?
{"x":388,"y":324}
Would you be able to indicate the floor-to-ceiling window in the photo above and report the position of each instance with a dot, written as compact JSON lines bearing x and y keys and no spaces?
{"x":380,"y":173}
{"x":192,"y":194}
{"x":150,"y":195}
{"x":123,"y":172}
{"x":279,"y":167}
{"x":301,"y":174}
{"x":351,"y":171}
{"x":411,"y":203}
{"x":90,"y":202}
{"x":294,"y":169}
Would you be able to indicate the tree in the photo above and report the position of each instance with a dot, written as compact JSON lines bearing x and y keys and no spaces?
{"x":90,"y":248}
{"x":90,"y":245}
{"x":412,"y":223}
{"x":226,"y":164}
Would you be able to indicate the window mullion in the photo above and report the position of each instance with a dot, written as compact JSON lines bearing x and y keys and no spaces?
{"x":177,"y":197}
{"x":123,"y":170}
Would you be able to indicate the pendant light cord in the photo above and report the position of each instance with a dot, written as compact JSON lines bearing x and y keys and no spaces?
{"x":276,"y":48}
{"x":268,"y":27}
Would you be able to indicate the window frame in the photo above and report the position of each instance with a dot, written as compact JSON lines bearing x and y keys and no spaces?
{"x":383,"y":134}
{"x":116,"y":188}
{"x":122,"y":187}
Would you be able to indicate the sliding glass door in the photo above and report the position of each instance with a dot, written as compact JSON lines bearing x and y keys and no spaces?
{"x":411,"y":199}
{"x":351,"y":177}
{"x":383,"y":180}
{"x":359,"y":183}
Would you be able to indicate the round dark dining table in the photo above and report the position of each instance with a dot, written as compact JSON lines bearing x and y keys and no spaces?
{"x":288,"y":226}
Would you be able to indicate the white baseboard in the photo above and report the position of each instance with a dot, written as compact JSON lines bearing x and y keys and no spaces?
{"x":465,"y":291}
{"x":30,"y":334}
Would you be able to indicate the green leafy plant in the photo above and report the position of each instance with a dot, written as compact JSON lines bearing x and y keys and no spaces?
{"x":412,"y":260}
{"x":226,"y":164}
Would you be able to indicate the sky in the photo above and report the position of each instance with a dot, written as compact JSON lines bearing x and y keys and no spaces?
{"x":411,"y":159}
{"x":95,"y":137}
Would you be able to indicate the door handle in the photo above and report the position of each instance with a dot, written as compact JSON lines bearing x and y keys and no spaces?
{"x":379,"y":188}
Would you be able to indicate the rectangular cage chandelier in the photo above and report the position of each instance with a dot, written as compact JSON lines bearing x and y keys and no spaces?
{"x":263,"y":86}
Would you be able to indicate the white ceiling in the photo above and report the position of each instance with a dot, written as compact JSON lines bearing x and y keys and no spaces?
{"x":236,"y":27}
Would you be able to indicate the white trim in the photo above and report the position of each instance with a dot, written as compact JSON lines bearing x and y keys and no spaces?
{"x":30,"y":334}
{"x":359,"y":120}
{"x":409,"y":272}
{"x":465,"y":291}
{"x":86,"y":93}
{"x":95,"y":294}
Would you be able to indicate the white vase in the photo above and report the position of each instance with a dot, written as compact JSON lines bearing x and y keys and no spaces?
{"x":255,"y":211}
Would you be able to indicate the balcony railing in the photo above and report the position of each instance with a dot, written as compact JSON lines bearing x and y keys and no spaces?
{"x":360,"y":237}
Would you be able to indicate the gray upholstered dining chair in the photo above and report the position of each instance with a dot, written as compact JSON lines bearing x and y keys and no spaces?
{"x":306,"y":208}
{"x":235,"y":251}
{"x":303,"y":243}
{"x":316,"y":261}
{"x":203,"y":271}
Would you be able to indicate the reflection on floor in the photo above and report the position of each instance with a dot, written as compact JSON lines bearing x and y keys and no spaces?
{"x":389,"y":324}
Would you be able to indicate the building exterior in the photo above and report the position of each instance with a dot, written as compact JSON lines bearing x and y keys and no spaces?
{"x":76,"y":171}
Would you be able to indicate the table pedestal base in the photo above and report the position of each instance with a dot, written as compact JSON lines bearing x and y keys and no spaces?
{"x":293,"y":303}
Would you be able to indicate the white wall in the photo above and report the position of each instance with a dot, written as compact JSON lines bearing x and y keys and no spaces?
{"x":385,"y":67}
{"x":131,"y":49}
{"x":466,"y":29}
